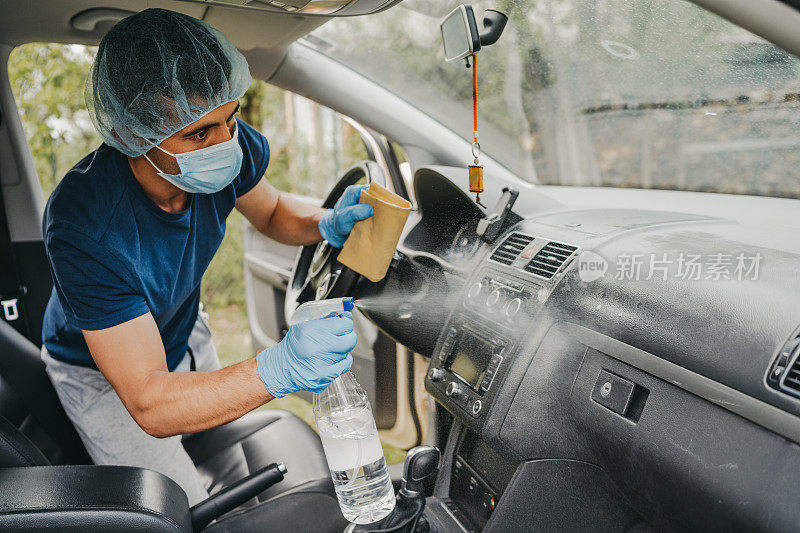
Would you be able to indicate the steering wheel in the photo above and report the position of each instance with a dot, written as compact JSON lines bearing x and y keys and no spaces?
{"x":317,"y":274}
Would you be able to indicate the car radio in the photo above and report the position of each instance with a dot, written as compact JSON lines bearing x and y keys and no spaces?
{"x":465,"y":366}
{"x":474,"y":349}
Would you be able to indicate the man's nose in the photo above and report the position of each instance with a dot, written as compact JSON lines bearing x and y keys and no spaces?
{"x":223,"y":134}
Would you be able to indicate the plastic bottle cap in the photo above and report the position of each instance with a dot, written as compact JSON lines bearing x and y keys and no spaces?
{"x":347,"y":304}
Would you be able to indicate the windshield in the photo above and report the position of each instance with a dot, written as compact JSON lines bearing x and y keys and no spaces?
{"x":619,"y":93}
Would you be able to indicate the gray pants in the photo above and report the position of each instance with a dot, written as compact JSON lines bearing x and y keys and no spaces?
{"x":108,"y":431}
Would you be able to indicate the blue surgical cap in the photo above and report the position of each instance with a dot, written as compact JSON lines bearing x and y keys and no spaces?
{"x":155,"y":73}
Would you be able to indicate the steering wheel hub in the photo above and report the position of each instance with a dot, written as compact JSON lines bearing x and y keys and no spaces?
{"x":320,"y":258}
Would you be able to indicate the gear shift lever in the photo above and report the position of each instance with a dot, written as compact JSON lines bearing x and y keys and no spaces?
{"x":421,"y":463}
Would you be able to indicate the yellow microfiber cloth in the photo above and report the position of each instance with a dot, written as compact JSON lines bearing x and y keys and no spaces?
{"x":369,"y":248}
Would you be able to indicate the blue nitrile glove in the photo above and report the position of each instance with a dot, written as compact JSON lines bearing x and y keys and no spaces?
{"x":312,"y":354}
{"x":337,"y":223}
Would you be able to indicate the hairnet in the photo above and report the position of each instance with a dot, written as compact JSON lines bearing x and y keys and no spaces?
{"x":156,"y":72}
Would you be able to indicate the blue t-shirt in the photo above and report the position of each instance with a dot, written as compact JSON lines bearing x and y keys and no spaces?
{"x":115,"y":255}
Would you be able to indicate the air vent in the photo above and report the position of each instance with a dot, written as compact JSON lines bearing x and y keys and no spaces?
{"x":511,"y":247}
{"x":784,"y":373}
{"x":792,"y":379}
{"x":549,"y":259}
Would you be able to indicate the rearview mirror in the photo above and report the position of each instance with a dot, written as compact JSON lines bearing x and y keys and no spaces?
{"x":460,"y":34}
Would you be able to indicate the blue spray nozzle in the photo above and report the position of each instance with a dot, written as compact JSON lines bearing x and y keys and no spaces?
{"x":317,"y":309}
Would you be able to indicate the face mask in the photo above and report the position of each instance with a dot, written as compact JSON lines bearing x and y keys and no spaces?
{"x":207,"y":170}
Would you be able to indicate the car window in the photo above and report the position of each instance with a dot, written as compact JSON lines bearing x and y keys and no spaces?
{"x":310,"y":145}
{"x":623,"y":93}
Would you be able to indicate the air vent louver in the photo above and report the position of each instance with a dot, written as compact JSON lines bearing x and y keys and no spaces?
{"x":784,"y":373}
{"x":511,"y":247}
{"x":549,"y":259}
{"x":792,"y":379}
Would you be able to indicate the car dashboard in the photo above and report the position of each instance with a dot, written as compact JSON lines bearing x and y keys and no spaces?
{"x":588,"y":397}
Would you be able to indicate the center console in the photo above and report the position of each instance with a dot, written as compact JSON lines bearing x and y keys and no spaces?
{"x":475,"y":350}
{"x":479,"y":341}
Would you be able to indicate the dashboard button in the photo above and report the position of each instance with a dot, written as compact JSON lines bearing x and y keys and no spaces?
{"x":477,"y":406}
{"x":488,"y":503}
{"x":539,"y":293}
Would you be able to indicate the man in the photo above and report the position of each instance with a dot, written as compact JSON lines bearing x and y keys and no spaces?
{"x":131,"y":229}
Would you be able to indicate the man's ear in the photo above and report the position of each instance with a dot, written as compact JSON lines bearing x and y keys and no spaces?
{"x":131,"y":135}
{"x":117,"y":137}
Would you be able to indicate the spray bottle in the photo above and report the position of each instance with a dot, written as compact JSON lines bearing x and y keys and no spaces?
{"x":349,"y":435}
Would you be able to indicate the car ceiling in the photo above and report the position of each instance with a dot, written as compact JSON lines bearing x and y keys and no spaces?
{"x":262,"y":36}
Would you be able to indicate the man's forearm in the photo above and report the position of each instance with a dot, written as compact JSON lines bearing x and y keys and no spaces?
{"x":279,"y":216}
{"x":173,"y":403}
{"x":294,"y":222}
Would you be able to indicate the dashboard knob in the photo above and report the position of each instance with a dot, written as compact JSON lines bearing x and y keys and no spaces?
{"x":436,"y":374}
{"x":474,"y":290}
{"x":454,"y":391}
{"x":512,"y":307}
{"x":493,"y":298}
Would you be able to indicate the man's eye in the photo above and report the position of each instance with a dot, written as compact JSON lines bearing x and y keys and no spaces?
{"x":200,"y":135}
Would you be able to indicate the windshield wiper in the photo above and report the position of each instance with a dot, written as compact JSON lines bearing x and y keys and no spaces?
{"x":697,"y":103}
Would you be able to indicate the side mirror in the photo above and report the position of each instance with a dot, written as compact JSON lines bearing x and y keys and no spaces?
{"x":460,"y":31}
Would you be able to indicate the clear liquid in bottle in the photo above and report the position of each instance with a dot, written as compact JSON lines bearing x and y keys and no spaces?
{"x":349,"y":435}
{"x":353,"y":450}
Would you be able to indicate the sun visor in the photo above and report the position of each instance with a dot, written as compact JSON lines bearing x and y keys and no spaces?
{"x":308,"y":7}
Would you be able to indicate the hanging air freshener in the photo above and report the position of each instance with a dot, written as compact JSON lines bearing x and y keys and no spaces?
{"x":462,"y":41}
{"x":476,"y":169}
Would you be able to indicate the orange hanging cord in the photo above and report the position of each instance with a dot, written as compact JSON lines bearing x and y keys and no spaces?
{"x":475,"y":99}
{"x":475,"y":170}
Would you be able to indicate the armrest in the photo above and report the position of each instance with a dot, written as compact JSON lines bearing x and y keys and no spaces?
{"x":236,"y":494}
{"x":91,"y":498}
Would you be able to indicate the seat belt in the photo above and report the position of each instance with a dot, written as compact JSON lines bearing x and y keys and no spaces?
{"x":12,"y":291}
